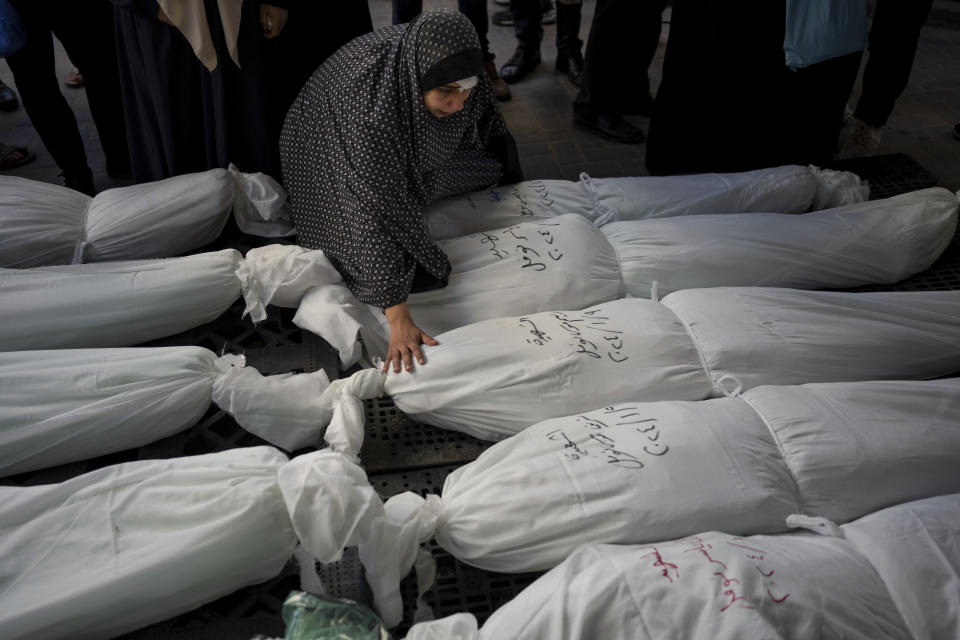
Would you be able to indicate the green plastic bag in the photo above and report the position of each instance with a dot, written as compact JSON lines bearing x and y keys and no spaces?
{"x":310,"y":617}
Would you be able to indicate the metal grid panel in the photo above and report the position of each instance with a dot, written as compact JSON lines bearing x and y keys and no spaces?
{"x":394,"y":442}
{"x":458,"y":587}
{"x":889,"y":174}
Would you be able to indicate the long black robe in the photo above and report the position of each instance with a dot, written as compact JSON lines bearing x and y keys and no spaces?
{"x":183,"y":118}
{"x":362,"y":155}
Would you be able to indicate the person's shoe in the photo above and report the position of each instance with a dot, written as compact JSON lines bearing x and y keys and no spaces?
{"x":520,"y":64}
{"x":12,"y":157}
{"x":8,"y":98}
{"x":609,"y":126}
{"x":571,"y":66}
{"x":81,"y":181}
{"x":549,"y":15}
{"x":863,"y":140}
{"x":500,"y":89}
{"x":73,"y":79}
{"x":502,"y":18}
{"x":503,"y":3}
{"x":956,"y":131}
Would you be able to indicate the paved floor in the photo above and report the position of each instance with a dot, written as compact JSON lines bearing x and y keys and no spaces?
{"x":539,"y":113}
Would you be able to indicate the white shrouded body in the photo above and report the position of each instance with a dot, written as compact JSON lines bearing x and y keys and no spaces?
{"x":749,"y":336}
{"x":115,"y":304}
{"x":786,"y":189}
{"x":876,"y":242}
{"x":125,"y":546}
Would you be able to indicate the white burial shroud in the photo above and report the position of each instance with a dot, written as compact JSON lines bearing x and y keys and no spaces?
{"x":46,"y":224}
{"x":876,"y":242}
{"x":125,"y":546}
{"x":712,"y":585}
{"x":119,"y":304}
{"x":494,"y":378}
{"x":642,"y":472}
{"x":915,"y":549}
{"x":786,"y":189}
{"x":892,"y":574}
{"x":564,"y":263}
{"x":76,"y":404}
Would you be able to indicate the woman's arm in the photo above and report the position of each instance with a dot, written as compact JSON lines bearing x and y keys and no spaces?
{"x":405,"y":339}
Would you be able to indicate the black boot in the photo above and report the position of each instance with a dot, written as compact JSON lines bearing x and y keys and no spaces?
{"x":520,"y":64}
{"x":569,"y":58}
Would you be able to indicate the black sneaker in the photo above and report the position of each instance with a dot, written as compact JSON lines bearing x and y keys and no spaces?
{"x":520,"y":64}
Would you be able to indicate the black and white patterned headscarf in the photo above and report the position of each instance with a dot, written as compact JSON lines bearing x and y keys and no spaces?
{"x":362,"y":156}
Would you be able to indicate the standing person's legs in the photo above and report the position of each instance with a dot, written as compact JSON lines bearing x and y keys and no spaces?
{"x":569,"y":57}
{"x":86,"y":31}
{"x":527,"y":16}
{"x":649,"y":28}
{"x":609,"y":88}
{"x":34,"y":70}
{"x":893,"y":44}
{"x":476,"y":12}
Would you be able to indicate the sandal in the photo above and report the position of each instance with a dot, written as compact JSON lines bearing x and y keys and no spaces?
{"x":73,"y":79}
{"x":12,"y":157}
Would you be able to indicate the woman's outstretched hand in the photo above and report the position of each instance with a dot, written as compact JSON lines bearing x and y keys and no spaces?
{"x":405,"y":339}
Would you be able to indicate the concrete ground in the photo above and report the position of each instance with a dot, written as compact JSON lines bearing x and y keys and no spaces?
{"x":539,"y":113}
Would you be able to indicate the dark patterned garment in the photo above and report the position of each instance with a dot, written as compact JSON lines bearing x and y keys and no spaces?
{"x":362,"y":156}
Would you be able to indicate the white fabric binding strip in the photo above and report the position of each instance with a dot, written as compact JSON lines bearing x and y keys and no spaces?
{"x":81,"y":248}
{"x":605,"y":214}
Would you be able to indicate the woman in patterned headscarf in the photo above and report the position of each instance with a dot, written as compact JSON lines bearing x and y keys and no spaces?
{"x":392,"y":121}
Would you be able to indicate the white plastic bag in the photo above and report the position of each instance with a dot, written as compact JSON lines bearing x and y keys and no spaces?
{"x":818,"y":30}
{"x":876,"y":242}
{"x":750,"y":336}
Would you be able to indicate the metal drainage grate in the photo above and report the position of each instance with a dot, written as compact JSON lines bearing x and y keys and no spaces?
{"x":394,"y":442}
{"x":889,"y":174}
{"x":458,"y":587}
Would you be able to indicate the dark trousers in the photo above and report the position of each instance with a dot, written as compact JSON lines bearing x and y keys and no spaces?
{"x":893,"y":44}
{"x":475,"y":10}
{"x":623,"y":39}
{"x":528,"y":25}
{"x":86,"y":31}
